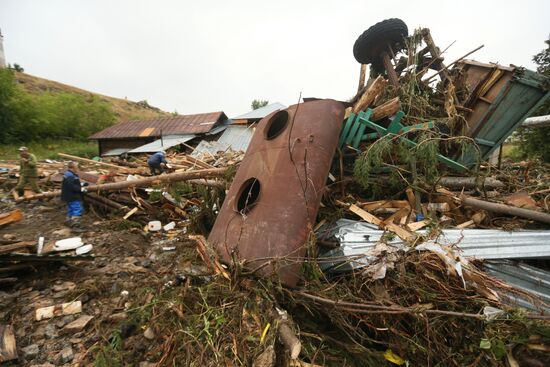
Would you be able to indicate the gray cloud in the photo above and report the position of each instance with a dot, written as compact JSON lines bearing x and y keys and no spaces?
{"x":205,"y":56}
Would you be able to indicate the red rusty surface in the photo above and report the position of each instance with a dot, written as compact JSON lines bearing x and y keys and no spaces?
{"x":177,"y":125}
{"x":269,"y":231}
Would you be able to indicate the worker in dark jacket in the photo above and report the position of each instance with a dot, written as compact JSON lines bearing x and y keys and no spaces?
{"x":28,"y":172}
{"x":72,"y":193}
{"x":157,"y":163}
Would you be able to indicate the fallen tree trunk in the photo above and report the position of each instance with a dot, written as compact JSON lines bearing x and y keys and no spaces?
{"x":211,"y":183}
{"x":506,"y":209}
{"x":107,"y":201}
{"x":289,"y":339}
{"x":370,"y":94}
{"x":470,"y":182}
{"x":389,"y":108}
{"x":91,"y":161}
{"x":147,"y":181}
{"x":537,"y":121}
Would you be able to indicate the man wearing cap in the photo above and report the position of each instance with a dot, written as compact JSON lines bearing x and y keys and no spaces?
{"x":72,"y":193}
{"x":28,"y":172}
{"x":157,"y":163}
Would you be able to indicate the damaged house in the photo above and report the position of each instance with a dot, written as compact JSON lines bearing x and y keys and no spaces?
{"x":238,"y":134}
{"x":146,"y":136}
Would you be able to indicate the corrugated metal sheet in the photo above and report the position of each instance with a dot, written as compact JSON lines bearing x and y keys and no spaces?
{"x":235,"y":137}
{"x":162,"y":144}
{"x":115,"y":152}
{"x":261,"y":112}
{"x":358,"y":238}
{"x":528,"y":278}
{"x":178,"y":125}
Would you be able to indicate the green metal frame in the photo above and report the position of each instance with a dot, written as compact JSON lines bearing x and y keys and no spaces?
{"x":353,"y":133}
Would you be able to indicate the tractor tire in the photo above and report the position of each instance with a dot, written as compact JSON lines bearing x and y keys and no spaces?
{"x":369,"y":46}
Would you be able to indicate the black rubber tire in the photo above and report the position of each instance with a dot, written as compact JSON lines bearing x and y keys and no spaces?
{"x":369,"y":46}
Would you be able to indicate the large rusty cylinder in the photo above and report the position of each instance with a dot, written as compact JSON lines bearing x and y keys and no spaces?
{"x":271,"y":206}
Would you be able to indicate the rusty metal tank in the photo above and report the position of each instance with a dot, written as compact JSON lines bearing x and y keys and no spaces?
{"x":272,"y":204}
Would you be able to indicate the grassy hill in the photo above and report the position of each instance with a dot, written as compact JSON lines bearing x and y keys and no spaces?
{"x":44,"y":113}
{"x":123,"y":108}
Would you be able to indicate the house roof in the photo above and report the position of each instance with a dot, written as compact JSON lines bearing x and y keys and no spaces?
{"x":235,"y":137}
{"x":261,"y":112}
{"x":163,"y":144}
{"x":177,"y":125}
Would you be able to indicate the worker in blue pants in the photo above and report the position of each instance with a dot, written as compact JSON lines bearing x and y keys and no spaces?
{"x":72,"y":192}
{"x":157,"y":163}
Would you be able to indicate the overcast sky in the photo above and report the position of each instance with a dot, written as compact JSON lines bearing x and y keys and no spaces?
{"x":202,"y":56}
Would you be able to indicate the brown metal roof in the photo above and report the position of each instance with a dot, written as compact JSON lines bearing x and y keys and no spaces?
{"x":185,"y":124}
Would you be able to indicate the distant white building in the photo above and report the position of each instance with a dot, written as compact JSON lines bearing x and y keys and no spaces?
{"x":2,"y":57}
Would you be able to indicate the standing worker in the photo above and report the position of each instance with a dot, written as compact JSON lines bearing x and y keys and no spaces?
{"x":28,"y":172}
{"x":157,"y":163}
{"x":72,"y":193}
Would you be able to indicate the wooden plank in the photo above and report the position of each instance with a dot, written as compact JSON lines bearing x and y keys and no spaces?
{"x":395,"y":217}
{"x":373,"y":205}
{"x":365,"y":215}
{"x":418,"y":225}
{"x":11,"y":217}
{"x":17,"y":247}
{"x":91,"y":161}
{"x":401,"y":232}
{"x":465,"y":224}
{"x":69,"y":308}
{"x":130,"y":213}
{"x":410,"y":197}
{"x":8,"y":347}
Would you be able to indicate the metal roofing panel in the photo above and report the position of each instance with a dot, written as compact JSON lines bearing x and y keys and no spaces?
{"x":235,"y":137}
{"x":358,"y":238}
{"x":261,"y":112}
{"x":115,"y":152}
{"x":162,"y":144}
{"x":177,"y":125}
{"x":528,"y":278}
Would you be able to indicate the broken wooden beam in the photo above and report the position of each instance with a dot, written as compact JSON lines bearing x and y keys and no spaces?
{"x":505,"y":209}
{"x":106,"y":201}
{"x":91,"y":161}
{"x":147,"y":181}
{"x":390,"y":71}
{"x":64,"y":309}
{"x":434,"y":52}
{"x":11,"y":217}
{"x":362,"y":74}
{"x":370,"y":94}
{"x":289,"y":340}
{"x":388,"y":108}
{"x":459,"y":183}
{"x":452,"y":63}
{"x":43,"y":257}
{"x":8,"y":348}
{"x":392,"y":227}
{"x":16,"y":247}
{"x":210,"y":183}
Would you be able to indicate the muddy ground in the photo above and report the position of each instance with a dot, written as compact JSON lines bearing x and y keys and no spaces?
{"x":129,"y":269}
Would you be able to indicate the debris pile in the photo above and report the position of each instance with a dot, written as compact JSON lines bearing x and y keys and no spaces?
{"x":368,"y":232}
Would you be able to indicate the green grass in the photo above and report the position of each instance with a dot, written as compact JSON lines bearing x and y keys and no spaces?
{"x":48,"y":149}
{"x":512,"y":151}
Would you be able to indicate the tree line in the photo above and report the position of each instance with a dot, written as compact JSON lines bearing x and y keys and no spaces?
{"x":27,"y":117}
